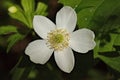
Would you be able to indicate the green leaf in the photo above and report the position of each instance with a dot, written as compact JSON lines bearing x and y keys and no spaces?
{"x":22,"y":69}
{"x":26,"y":15}
{"x":96,"y":49}
{"x":86,"y":11}
{"x":112,"y":25}
{"x":20,"y":16}
{"x":41,"y":9}
{"x":117,"y":40}
{"x":28,"y":5}
{"x":29,"y":17}
{"x":72,"y":3}
{"x":84,"y":17}
{"x":7,"y":29}
{"x":18,"y":73}
{"x":33,"y":74}
{"x":88,"y":4}
{"x":105,"y":10}
{"x":14,"y":39}
{"x":108,"y":45}
{"x":112,"y":62}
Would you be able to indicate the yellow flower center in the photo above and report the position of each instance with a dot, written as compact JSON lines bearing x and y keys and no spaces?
{"x":58,"y":39}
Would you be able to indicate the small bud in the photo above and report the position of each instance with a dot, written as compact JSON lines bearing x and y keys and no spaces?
{"x":12,"y":9}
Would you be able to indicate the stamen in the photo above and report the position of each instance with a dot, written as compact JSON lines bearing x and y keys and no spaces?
{"x":58,"y":39}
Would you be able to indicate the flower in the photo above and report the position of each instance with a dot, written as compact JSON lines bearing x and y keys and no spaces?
{"x":59,"y":39}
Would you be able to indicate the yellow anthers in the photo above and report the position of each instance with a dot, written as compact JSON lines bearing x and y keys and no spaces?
{"x":58,"y":39}
{"x":12,"y":9}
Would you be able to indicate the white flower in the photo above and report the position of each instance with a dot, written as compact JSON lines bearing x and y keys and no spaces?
{"x":59,"y":38}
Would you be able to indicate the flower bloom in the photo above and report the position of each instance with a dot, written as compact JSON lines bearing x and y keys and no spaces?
{"x":59,"y":39}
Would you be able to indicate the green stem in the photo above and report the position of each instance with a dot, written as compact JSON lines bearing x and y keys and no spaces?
{"x":19,"y":61}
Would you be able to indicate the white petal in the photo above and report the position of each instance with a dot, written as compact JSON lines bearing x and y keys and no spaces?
{"x":82,"y":40}
{"x":66,"y":18}
{"x":38,"y":51}
{"x":42,"y":25}
{"x":65,"y":59}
